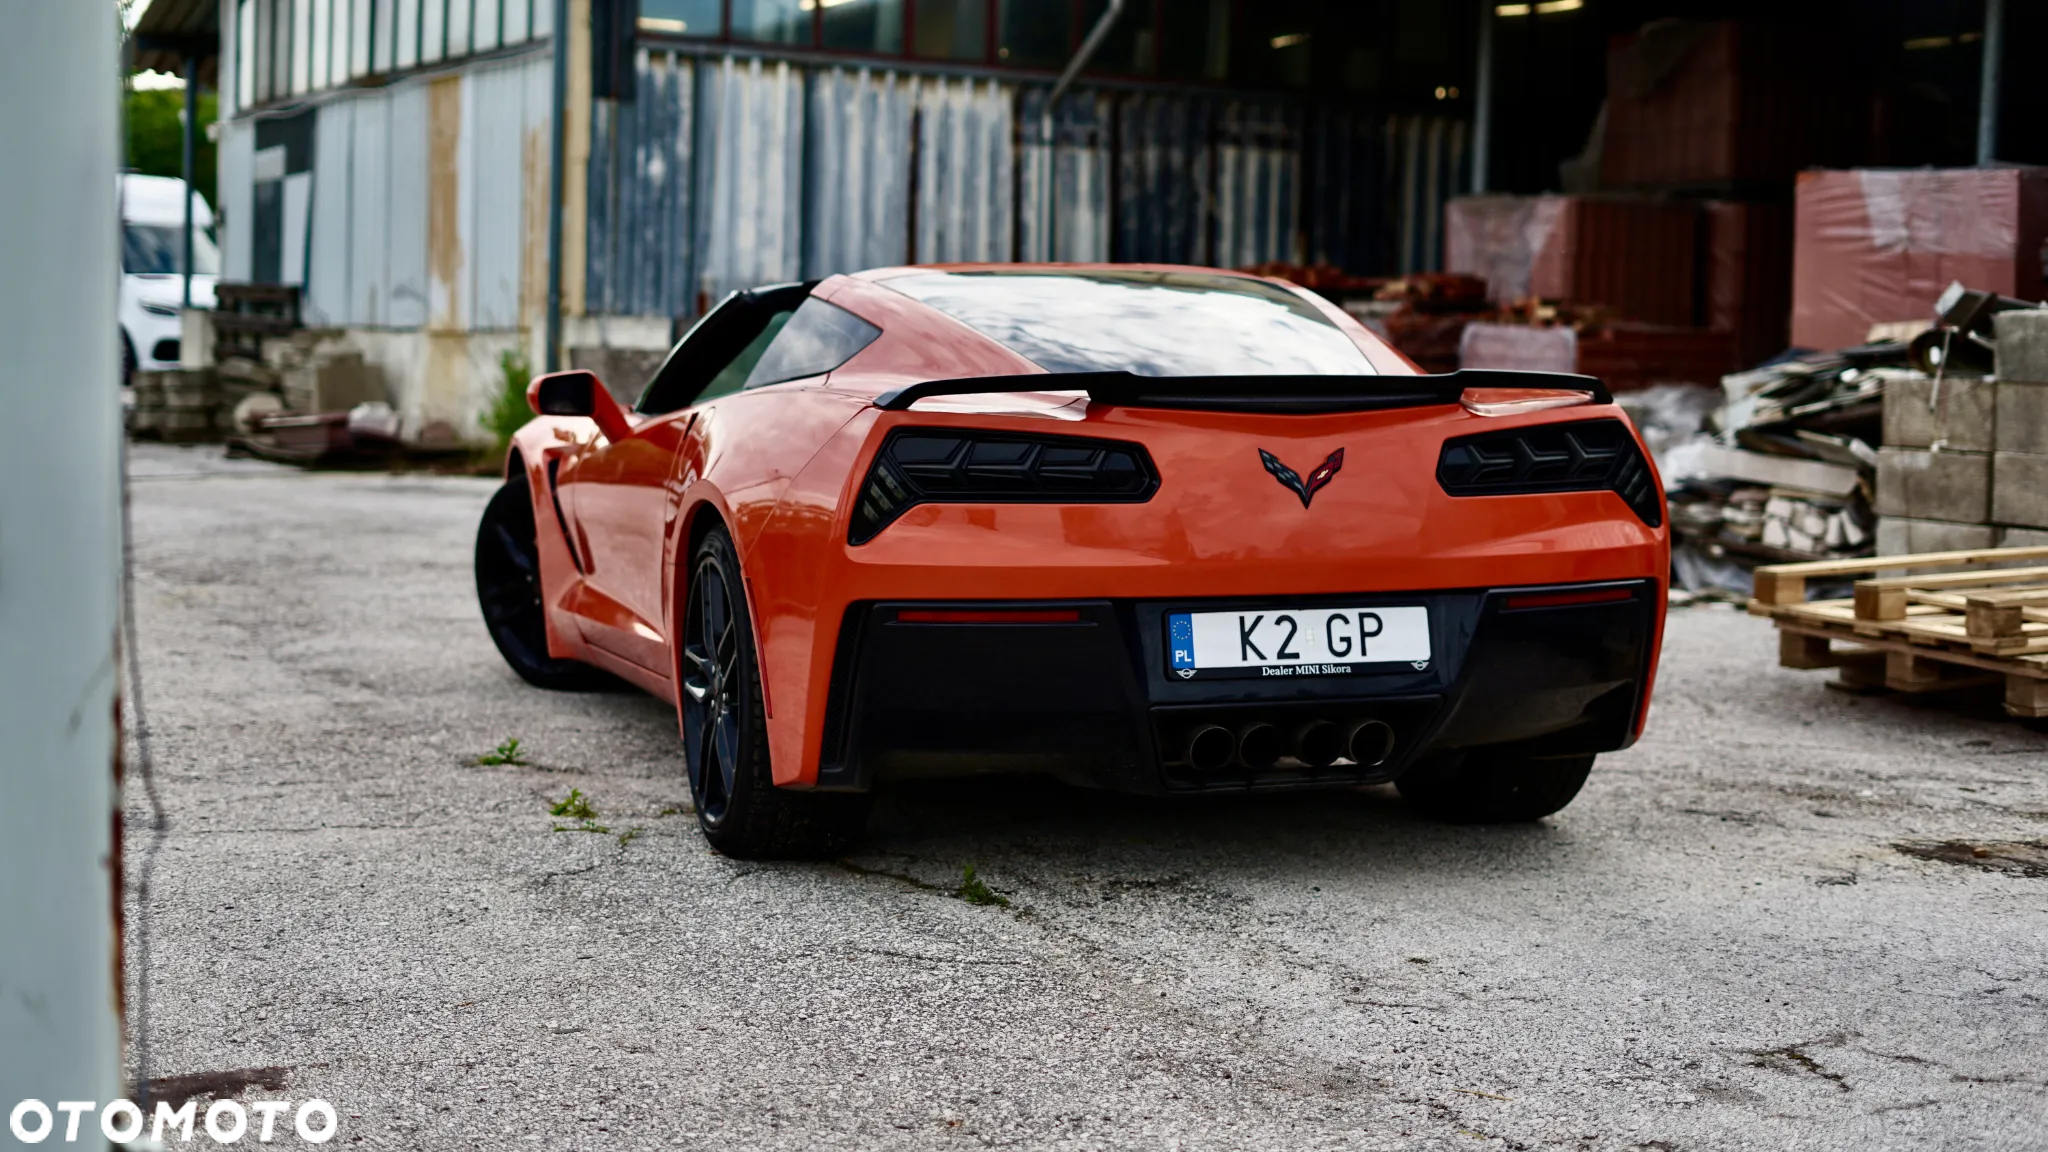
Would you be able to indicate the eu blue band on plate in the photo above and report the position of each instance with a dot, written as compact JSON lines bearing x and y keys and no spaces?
{"x":1180,"y":635}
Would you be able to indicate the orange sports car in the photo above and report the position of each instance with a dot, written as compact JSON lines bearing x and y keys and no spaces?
{"x":1160,"y":529}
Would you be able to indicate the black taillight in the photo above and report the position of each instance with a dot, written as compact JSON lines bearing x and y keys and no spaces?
{"x":967,"y":466}
{"x":1581,"y":456}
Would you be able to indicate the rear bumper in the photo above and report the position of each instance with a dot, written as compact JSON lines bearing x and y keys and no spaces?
{"x":1090,"y":698}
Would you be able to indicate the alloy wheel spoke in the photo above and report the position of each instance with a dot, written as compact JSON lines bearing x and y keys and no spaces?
{"x":513,"y":548}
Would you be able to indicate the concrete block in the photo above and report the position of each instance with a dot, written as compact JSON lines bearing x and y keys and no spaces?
{"x":2023,"y":538}
{"x":1962,"y":417}
{"x":2022,"y":423}
{"x":1897,"y":536}
{"x":1923,"y":485}
{"x":2019,"y":489}
{"x":2022,"y":345}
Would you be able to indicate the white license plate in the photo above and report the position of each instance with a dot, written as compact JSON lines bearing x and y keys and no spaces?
{"x":1296,"y":641}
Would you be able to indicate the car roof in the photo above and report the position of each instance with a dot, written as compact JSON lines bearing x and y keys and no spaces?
{"x":1383,"y":358}
{"x":149,"y":199}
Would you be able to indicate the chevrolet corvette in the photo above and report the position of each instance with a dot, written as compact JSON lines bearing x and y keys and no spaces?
{"x":1158,"y":529}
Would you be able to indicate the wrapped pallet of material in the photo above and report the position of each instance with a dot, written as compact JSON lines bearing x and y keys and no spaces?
{"x":1634,"y":256}
{"x":1876,"y":246}
{"x":1692,"y":104}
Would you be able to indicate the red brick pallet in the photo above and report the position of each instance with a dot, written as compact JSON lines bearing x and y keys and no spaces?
{"x":1982,"y":619}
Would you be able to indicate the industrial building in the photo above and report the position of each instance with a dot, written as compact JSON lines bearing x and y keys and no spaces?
{"x":396,"y":159}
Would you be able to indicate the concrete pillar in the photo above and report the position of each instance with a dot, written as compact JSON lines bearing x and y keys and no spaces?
{"x":60,"y":560}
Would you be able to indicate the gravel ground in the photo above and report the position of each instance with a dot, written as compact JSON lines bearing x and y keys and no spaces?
{"x":1718,"y":946}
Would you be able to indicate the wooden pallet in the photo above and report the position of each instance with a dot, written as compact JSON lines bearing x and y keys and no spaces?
{"x":1983,"y":620}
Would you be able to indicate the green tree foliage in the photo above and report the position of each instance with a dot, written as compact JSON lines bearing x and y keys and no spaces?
{"x":155,"y":142}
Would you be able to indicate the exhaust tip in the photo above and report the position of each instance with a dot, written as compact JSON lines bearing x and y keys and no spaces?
{"x":1259,"y":746}
{"x":1318,"y":743}
{"x":1370,"y":743}
{"x":1210,"y":748}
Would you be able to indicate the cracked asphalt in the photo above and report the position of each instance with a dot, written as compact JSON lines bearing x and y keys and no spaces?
{"x":1719,"y":945}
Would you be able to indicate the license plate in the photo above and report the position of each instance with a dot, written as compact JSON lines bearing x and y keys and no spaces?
{"x":1296,"y":641}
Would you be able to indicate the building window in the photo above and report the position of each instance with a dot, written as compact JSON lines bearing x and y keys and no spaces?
{"x":864,"y":25}
{"x":407,"y":33}
{"x":433,"y":30}
{"x":1194,"y":40}
{"x":949,"y":29}
{"x":681,"y":17}
{"x":775,"y":21}
{"x":485,"y":35}
{"x":1034,"y":33}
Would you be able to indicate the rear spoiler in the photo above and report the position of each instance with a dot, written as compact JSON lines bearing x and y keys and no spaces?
{"x":1288,"y":394}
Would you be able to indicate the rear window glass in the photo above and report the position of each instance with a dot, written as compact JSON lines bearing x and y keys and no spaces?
{"x":1145,"y":323}
{"x":817,"y":338}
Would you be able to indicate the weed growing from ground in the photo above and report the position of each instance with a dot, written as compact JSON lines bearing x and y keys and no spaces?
{"x":576,"y":806}
{"x":974,"y":891}
{"x":586,"y":826}
{"x":505,"y":753}
{"x":630,"y":835}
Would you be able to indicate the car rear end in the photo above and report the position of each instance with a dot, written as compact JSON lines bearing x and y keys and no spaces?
{"x":1227,"y":596}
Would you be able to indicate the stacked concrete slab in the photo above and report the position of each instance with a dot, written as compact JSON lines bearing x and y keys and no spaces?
{"x":2019,"y":462}
{"x":1967,"y":466}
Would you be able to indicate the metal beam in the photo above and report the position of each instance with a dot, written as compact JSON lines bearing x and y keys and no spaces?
{"x":1482,"y":100}
{"x":189,"y":166}
{"x":1988,"y":81}
{"x":557,"y":158}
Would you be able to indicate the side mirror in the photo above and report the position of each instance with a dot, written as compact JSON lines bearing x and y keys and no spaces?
{"x":578,"y":392}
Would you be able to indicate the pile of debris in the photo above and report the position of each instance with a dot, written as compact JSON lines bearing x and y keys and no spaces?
{"x":1784,"y":469}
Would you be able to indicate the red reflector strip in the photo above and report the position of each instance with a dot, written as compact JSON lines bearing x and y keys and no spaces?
{"x":1563,"y":599}
{"x":972,"y":616}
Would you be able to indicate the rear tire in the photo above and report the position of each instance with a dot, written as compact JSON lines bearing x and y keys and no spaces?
{"x":1494,"y":789}
{"x":508,"y":589}
{"x":725,"y":732}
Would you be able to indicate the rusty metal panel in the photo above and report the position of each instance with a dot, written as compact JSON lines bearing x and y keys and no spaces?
{"x":749,"y":172}
{"x":1063,"y":185}
{"x":857,"y":175}
{"x":1163,"y":166}
{"x":1258,"y":173}
{"x":369,"y":197}
{"x":640,"y":240}
{"x":1428,"y":155}
{"x":329,"y":240}
{"x":449,"y":157}
{"x":405,"y":272}
{"x":497,"y":115}
{"x":966,"y":170}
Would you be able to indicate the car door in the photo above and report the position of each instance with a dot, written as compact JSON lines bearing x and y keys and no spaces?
{"x":619,"y":495}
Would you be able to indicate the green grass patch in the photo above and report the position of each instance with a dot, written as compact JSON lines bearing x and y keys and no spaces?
{"x":974,"y":891}
{"x":576,"y":806}
{"x":509,"y":412}
{"x":585,"y":826}
{"x":505,"y":753}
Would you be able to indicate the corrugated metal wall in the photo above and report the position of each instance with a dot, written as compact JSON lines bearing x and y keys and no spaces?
{"x":732,"y":171}
{"x":423,"y":206}
{"x":857,"y":148}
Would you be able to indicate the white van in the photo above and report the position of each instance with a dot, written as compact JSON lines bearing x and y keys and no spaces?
{"x":152,"y":287}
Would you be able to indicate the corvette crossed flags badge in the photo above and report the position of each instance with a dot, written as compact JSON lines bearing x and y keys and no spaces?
{"x":1292,"y":481}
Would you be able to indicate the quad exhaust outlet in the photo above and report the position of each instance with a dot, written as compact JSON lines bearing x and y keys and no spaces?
{"x":1259,"y":745}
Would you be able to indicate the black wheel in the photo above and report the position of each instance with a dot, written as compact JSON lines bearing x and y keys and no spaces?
{"x":1494,"y":789}
{"x":725,"y":732}
{"x":508,"y":591}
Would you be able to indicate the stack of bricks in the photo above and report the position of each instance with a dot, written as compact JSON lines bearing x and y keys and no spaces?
{"x":1967,"y":467}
